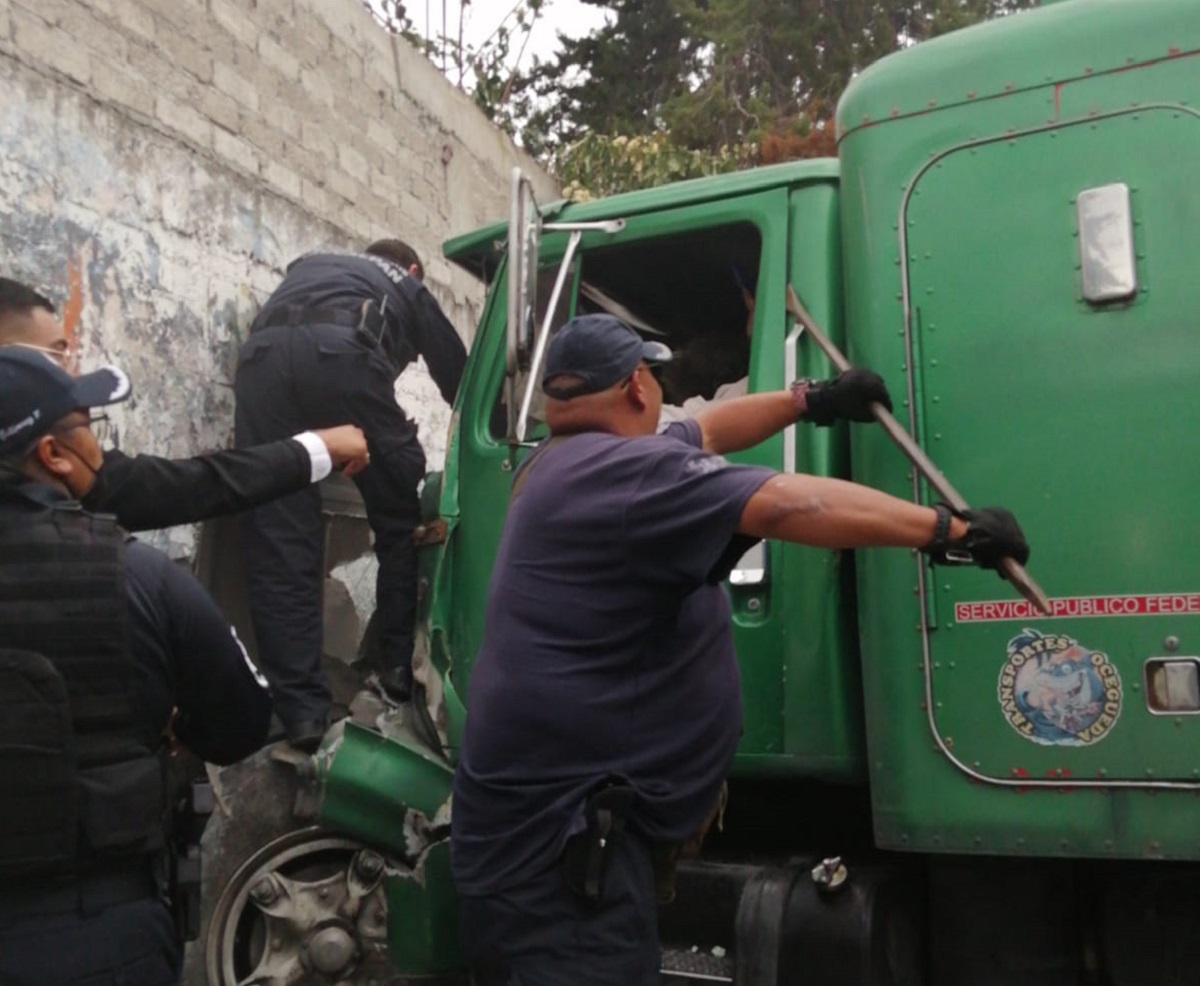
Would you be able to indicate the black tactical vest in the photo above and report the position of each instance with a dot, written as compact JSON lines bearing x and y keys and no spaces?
{"x":79,"y":783}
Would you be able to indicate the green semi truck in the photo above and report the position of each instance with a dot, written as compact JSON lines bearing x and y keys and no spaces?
{"x":937,"y":783}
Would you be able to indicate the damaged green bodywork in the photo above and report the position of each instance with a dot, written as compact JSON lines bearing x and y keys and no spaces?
{"x":394,"y":794}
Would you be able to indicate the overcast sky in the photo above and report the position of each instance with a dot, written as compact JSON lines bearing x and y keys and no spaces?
{"x":480,"y":19}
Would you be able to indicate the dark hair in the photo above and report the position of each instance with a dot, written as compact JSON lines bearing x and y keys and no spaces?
{"x":398,"y":252}
{"x":20,"y":299}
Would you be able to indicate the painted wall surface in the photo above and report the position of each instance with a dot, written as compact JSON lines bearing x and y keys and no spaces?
{"x":161,"y":163}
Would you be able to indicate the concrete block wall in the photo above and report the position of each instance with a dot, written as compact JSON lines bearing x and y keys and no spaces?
{"x":162,"y":161}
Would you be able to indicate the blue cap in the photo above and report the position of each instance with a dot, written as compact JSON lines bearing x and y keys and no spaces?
{"x":36,"y":393}
{"x":599,"y":350}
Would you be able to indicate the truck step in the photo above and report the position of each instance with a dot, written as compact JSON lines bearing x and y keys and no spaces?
{"x":695,"y":965}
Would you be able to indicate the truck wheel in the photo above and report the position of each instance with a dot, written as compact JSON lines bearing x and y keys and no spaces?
{"x":308,"y":907}
{"x":285,"y":902}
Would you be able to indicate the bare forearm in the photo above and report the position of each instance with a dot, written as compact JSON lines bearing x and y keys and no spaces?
{"x":743,"y":422}
{"x":832,"y":513}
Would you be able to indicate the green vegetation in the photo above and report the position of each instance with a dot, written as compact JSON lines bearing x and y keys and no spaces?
{"x":672,"y":89}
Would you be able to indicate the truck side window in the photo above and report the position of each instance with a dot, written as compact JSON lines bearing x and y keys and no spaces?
{"x":694,"y":291}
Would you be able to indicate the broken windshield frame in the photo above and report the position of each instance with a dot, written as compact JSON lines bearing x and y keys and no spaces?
{"x":524,"y":238}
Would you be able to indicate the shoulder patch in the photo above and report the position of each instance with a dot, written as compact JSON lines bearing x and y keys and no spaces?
{"x":703,"y":465}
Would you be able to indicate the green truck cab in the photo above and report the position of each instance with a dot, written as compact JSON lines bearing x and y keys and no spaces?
{"x":937,"y":783}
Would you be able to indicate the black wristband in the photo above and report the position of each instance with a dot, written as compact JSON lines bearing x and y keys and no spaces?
{"x":941,"y":530}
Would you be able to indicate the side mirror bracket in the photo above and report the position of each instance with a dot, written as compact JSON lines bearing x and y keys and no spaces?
{"x":523,"y":351}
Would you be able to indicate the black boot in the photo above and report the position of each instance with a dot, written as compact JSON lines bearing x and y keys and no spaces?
{"x":306,"y":736}
{"x":397,"y":682}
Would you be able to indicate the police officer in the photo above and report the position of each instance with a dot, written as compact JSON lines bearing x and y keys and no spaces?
{"x":605,"y":704}
{"x":104,"y":645}
{"x":147,"y":492}
{"x":328,"y":346}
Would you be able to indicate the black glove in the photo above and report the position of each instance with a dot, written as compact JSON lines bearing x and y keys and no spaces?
{"x":992,"y":533}
{"x":847,"y":397}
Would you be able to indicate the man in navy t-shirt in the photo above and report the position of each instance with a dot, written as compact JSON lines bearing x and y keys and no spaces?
{"x":607,"y":658}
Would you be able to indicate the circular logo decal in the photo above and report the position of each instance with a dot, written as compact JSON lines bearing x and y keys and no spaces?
{"x":1056,"y":692}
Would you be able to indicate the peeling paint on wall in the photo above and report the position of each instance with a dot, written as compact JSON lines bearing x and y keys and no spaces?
{"x":157,"y":175}
{"x":133,"y":257}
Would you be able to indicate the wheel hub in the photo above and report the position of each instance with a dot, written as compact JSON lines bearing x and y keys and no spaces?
{"x":331,"y":950}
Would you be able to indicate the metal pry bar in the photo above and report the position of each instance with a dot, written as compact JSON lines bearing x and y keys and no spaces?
{"x":1009,"y":568}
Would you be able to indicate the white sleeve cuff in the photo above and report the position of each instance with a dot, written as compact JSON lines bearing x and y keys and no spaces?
{"x":322,"y":464}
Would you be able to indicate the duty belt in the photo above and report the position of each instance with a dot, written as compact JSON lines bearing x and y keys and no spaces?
{"x":306,"y":315}
{"x":367,"y":322}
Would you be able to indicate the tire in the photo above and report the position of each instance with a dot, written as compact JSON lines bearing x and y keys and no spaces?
{"x":284,"y":901}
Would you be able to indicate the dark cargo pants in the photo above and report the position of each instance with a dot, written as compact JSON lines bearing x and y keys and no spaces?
{"x":132,"y":944}
{"x":542,"y":933}
{"x":292,"y":379}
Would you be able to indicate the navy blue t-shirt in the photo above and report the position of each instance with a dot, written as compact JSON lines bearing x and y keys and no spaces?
{"x":607,"y":651}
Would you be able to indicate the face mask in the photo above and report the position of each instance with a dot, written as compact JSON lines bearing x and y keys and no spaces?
{"x":94,"y":495}
{"x":63,"y":357}
{"x":93,"y":498}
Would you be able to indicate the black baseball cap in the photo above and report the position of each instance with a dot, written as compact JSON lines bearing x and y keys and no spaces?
{"x":36,"y":393}
{"x":599,"y":350}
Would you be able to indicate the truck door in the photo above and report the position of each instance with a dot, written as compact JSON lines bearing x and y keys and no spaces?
{"x":1055,"y":307}
{"x":679,"y":272}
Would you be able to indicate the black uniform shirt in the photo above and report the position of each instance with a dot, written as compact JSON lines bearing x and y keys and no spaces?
{"x":146,"y":492}
{"x":184,"y":652}
{"x":414,"y":324}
